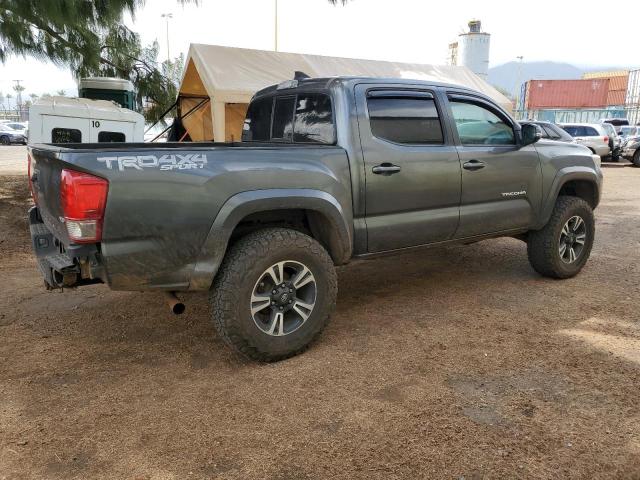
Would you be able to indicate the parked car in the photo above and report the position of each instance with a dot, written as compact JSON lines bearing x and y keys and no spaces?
{"x":629,"y":131}
{"x":631,"y":150}
{"x":551,"y":131}
{"x":615,"y":143}
{"x":327,"y":170}
{"x":8,"y":136}
{"x":591,"y":135}
{"x":18,"y":126}
{"x":616,"y":122}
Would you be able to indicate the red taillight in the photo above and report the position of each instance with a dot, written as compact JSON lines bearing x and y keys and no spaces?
{"x":83,"y":198}
{"x":606,"y":139}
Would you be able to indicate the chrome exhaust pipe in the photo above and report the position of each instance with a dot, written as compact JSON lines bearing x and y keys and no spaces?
{"x":175,"y":305}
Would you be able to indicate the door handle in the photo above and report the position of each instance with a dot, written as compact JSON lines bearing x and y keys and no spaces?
{"x":386,"y":169}
{"x":473,"y":165}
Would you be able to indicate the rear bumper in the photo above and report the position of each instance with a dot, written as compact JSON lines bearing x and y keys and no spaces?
{"x":628,"y":152}
{"x":60,"y":265}
{"x":603,"y":151}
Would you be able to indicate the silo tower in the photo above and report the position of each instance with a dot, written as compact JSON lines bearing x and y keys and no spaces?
{"x":473,"y":49}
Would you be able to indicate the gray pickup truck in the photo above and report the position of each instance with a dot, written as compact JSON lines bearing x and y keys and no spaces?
{"x":328,"y":169}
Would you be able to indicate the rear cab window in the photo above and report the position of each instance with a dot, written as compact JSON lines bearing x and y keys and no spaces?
{"x":299,"y":118}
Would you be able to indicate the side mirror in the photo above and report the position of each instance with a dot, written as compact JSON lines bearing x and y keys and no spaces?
{"x":530,"y":134}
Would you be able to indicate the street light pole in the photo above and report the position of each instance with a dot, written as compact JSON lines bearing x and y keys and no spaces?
{"x":517,"y":92}
{"x":167,"y":16}
{"x":276,"y":25}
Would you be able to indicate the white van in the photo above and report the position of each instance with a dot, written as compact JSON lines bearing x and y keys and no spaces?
{"x":82,"y":120}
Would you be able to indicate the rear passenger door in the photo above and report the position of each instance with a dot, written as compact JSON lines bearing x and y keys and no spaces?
{"x":501,"y":181}
{"x":412,"y":170}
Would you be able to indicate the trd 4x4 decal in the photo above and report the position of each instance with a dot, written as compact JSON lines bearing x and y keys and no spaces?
{"x":187,"y":161}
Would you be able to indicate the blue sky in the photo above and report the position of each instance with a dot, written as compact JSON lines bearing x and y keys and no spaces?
{"x":402,"y":30}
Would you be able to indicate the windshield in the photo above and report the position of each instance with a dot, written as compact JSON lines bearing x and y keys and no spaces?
{"x":611,"y":131}
{"x":629,"y":131}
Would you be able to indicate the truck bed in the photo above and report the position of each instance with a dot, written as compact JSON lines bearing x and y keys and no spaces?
{"x":163,"y":198}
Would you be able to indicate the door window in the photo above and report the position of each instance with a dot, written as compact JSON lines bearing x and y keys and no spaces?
{"x":576,"y":130}
{"x":405,"y":120}
{"x":478,"y":125}
{"x":548,"y":132}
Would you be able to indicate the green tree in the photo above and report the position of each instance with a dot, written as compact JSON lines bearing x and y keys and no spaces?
{"x":88,"y":37}
{"x":85,"y":35}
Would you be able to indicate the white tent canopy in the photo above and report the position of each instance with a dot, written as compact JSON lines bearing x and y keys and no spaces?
{"x":230,"y":76}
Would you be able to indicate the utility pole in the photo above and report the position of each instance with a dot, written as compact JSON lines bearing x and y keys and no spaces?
{"x":517,"y":89}
{"x":275,"y":32}
{"x":167,"y":17}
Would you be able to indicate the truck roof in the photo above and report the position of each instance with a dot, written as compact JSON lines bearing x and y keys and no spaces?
{"x":325,"y":83}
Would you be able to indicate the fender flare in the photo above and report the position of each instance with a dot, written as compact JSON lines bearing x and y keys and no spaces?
{"x":242,"y":204}
{"x":563,"y":176}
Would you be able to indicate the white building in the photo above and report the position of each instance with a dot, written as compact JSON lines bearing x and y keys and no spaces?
{"x":472,"y":50}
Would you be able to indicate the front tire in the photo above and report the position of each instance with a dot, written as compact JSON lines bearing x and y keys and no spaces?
{"x":273,"y":294}
{"x":562,"y":247}
{"x":636,"y":158}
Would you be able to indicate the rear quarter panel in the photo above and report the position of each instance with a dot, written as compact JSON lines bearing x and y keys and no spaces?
{"x":156,"y":220}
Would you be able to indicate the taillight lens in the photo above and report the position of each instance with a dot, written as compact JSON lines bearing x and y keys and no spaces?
{"x":606,"y":139}
{"x":83,"y":198}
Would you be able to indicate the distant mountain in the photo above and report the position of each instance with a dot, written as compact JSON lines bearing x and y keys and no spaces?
{"x":507,"y":75}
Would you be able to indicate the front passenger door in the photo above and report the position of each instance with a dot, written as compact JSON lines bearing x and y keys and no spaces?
{"x":501,"y":181}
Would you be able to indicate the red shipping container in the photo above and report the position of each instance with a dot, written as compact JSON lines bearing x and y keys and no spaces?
{"x":591,"y":93}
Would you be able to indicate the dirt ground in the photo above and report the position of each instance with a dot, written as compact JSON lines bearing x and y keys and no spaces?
{"x":451,"y":363}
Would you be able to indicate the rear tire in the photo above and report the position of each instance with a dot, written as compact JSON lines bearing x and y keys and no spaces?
{"x":555,"y":251}
{"x":5,"y":141}
{"x":273,"y":294}
{"x":636,"y":158}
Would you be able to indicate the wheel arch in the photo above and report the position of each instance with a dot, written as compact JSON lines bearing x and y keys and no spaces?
{"x":581,"y":182}
{"x":314,"y":212}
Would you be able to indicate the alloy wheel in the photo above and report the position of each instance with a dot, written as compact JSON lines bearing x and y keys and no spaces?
{"x":283,"y":298}
{"x":572,"y":239}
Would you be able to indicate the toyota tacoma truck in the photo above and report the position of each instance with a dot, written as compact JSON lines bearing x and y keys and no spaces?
{"x":328,"y":169}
